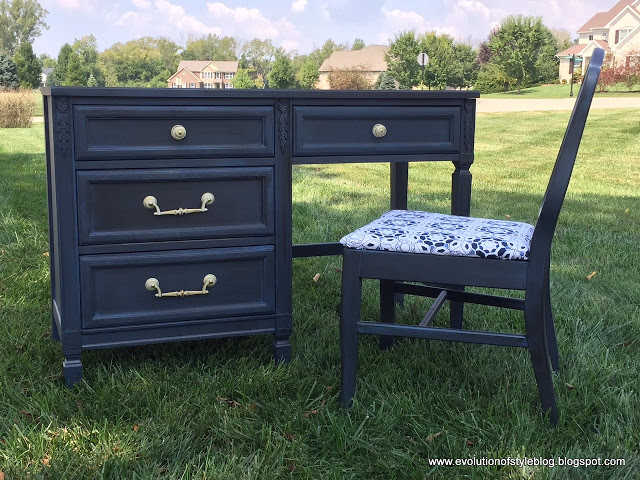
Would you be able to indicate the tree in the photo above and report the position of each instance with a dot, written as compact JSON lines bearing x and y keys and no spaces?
{"x":439,"y":71}
{"x":92,"y":82}
{"x":87,"y":49}
{"x":76,"y":73}
{"x":210,"y":47}
{"x":59,"y":74}
{"x":319,"y":55}
{"x":21,"y":21}
{"x":401,"y":59}
{"x":524,"y":48}
{"x":308,"y":75}
{"x":350,"y":79}
{"x":385,"y":82}
{"x":47,"y":61}
{"x":257,"y":54}
{"x":562,"y":38}
{"x":358,"y":44}
{"x":282,"y":74}
{"x":8,"y":72}
{"x":242,"y":80}
{"x":28,"y":65}
{"x":465,"y":68}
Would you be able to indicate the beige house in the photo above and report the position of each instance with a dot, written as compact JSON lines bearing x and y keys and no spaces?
{"x":203,"y":74}
{"x":369,"y":59}
{"x":616,"y":31}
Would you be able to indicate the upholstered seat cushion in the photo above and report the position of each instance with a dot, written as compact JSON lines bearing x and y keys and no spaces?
{"x":423,"y":232}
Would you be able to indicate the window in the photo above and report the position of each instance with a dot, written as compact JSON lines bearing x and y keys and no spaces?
{"x":623,"y":33}
{"x":228,"y":85}
{"x":218,"y":76}
{"x":192,"y":85}
{"x":173,"y":85}
{"x":207,"y":85}
{"x":206,"y":74}
{"x":228,"y":75}
{"x":590,"y":37}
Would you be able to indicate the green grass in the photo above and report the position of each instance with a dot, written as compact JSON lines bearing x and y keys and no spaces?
{"x":167,"y":411}
{"x":557,"y":91}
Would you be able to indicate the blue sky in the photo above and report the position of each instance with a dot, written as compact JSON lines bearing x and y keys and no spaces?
{"x":300,"y":25}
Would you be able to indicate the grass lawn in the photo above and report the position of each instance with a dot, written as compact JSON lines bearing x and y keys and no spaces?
{"x":220,"y":409}
{"x":556,"y":91}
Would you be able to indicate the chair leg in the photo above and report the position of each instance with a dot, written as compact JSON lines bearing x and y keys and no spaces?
{"x":456,"y":310}
{"x":534,"y":324}
{"x":552,"y":342}
{"x":387,"y":310}
{"x":349,"y":316}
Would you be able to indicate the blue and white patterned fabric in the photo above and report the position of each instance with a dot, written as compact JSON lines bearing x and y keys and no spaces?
{"x":423,"y":232}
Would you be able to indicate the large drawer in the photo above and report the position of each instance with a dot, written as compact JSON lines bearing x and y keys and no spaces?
{"x":111,"y":204}
{"x":348,"y":130}
{"x":144,"y":132}
{"x":115,"y":290}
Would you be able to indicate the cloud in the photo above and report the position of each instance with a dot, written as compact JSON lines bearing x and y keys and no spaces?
{"x":251,"y":22}
{"x":141,"y":3}
{"x":402,"y":20}
{"x":133,"y":19}
{"x":472,"y":7}
{"x":298,"y":6}
{"x":178,"y":17}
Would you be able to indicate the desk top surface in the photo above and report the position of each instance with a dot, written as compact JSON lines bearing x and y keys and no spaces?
{"x":231,"y":93}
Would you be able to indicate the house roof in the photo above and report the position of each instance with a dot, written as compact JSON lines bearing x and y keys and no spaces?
{"x":186,"y":70}
{"x":47,"y":70}
{"x":198,"y":65}
{"x":371,"y":58}
{"x":601,"y":19}
{"x":580,"y":48}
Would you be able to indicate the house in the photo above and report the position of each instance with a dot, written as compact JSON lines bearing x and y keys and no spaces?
{"x":44,"y":74}
{"x":369,"y":59}
{"x":617,"y":31}
{"x":203,"y":74}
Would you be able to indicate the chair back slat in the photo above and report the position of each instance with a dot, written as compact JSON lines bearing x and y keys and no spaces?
{"x":559,"y":181}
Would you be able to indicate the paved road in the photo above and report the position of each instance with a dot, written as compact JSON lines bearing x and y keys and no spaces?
{"x":486,"y":105}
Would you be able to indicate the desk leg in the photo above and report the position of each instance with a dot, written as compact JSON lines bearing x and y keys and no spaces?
{"x":399,"y":175}
{"x":460,"y":205}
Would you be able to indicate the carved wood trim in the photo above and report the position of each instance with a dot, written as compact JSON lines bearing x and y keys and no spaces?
{"x":469,"y":124}
{"x":283,"y":126}
{"x":63,"y":126}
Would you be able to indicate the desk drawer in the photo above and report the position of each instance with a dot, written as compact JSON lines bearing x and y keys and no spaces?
{"x":115,"y":293}
{"x":323,"y":131}
{"x":111,"y":208}
{"x":139,"y":132}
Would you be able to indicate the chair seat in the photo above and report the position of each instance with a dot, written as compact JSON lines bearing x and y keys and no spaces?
{"x":413,"y":231}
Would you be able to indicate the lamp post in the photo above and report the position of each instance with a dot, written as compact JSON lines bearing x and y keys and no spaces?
{"x":423,"y":59}
{"x":572,"y":64}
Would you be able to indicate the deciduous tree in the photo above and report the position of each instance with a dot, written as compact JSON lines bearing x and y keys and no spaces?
{"x":308,"y":75}
{"x":21,"y":21}
{"x":242,"y":80}
{"x":282,"y":74}
{"x":210,"y":47}
{"x":358,"y":44}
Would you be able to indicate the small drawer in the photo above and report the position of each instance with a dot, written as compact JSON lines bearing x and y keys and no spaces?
{"x":323,"y":131}
{"x":117,"y":290}
{"x":145,"y":132}
{"x":111,"y":204}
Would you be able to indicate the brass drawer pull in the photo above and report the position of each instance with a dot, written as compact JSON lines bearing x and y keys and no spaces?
{"x":379,"y":130}
{"x":209,"y":280}
{"x":151,"y":202}
{"x":178,"y":132}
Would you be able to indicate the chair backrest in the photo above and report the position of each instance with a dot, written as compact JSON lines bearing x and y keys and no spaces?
{"x":559,"y":182}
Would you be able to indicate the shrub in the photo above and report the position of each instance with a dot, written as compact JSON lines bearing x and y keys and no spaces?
{"x":16,"y":109}
{"x":353,"y":79}
{"x":386,"y":82}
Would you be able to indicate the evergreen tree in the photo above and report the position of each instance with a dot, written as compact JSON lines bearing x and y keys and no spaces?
{"x":386,"y":82}
{"x":282,"y":75}
{"x":59,"y":74}
{"x":242,"y":80}
{"x":92,"y":82}
{"x":308,"y":75}
{"x":8,"y":72}
{"x":358,"y":44}
{"x":76,"y":74}
{"x":28,"y":65}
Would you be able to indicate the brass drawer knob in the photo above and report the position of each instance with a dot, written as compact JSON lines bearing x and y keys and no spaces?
{"x":151,"y":203}
{"x":178,"y":132}
{"x":152,"y":284}
{"x":379,"y":130}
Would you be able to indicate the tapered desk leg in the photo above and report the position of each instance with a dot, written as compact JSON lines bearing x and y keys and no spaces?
{"x":460,"y":205}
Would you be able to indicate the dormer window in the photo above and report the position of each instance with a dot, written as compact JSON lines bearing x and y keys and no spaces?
{"x":590,"y":37}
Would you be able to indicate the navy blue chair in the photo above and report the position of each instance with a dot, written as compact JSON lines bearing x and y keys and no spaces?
{"x":445,"y":253}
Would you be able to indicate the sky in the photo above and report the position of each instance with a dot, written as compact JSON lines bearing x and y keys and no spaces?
{"x":300,"y":25}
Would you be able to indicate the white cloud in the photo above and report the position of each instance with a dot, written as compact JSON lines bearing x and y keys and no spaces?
{"x":132,"y":19}
{"x":141,"y":3}
{"x":400,"y":20}
{"x":472,"y":7}
{"x":298,"y":6}
{"x":324,"y":11}
{"x":180,"y":20}
{"x":251,"y":22}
